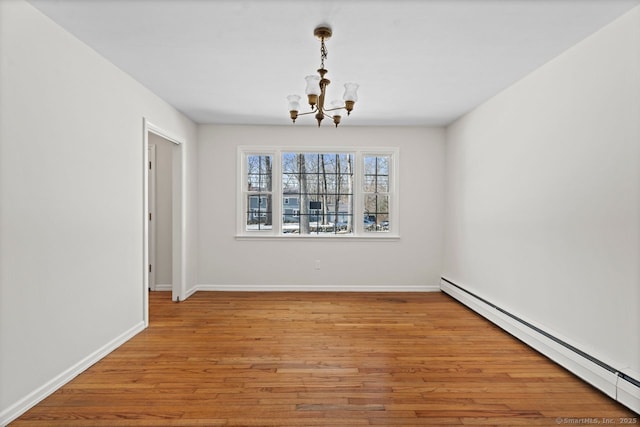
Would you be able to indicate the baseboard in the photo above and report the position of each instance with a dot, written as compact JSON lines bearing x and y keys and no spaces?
{"x":629,"y":394}
{"x":191,"y":291}
{"x":163,"y":287}
{"x":597,"y":373}
{"x":36,"y":396}
{"x":317,"y":288}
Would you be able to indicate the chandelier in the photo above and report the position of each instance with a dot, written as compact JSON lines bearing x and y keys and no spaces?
{"x":317,"y":86}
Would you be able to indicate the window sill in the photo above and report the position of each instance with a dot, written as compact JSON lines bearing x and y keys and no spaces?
{"x":341,"y":238}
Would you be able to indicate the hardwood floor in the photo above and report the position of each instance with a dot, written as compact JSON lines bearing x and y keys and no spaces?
{"x":322,"y":359}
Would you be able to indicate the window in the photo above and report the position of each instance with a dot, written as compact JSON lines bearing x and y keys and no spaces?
{"x":258,"y":210}
{"x":318,"y":192}
{"x":376,"y":193}
{"x":322,"y":185}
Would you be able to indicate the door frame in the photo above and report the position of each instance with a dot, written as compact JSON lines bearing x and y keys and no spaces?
{"x":152,"y":217}
{"x":178,"y":212}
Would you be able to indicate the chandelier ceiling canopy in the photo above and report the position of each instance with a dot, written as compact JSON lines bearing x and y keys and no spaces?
{"x":316,"y":89}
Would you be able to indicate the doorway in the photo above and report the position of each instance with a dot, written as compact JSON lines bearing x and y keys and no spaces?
{"x":160,"y":213}
{"x":163,"y":258}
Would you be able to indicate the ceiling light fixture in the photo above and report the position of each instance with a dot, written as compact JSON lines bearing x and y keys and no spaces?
{"x":317,"y":85}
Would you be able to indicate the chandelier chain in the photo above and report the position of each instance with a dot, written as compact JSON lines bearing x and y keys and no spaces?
{"x":323,"y":52}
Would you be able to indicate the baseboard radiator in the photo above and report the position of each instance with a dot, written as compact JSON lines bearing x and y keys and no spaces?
{"x":610,"y":380}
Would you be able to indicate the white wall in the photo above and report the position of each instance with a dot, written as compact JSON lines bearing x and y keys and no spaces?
{"x":163,"y":209}
{"x":542,"y":184}
{"x":414,"y":261}
{"x":543,"y":197}
{"x":71,"y":203}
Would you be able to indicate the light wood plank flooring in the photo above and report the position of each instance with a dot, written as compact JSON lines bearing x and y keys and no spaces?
{"x":321,"y":359}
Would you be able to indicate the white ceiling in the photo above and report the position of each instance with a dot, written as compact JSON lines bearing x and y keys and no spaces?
{"x":417,"y":62}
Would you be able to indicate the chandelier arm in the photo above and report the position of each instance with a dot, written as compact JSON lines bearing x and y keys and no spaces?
{"x":337,"y":108}
{"x":308,"y":112}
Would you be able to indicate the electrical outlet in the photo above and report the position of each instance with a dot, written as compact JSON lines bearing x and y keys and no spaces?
{"x":317,"y":264}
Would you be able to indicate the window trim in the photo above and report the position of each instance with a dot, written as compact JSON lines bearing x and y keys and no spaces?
{"x":358,"y":233}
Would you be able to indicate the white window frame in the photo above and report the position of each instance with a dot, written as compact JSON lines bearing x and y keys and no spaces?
{"x":358,"y":194}
{"x":243,"y":193}
{"x":392,"y":193}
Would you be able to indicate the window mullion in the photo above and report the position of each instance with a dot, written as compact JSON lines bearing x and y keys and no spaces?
{"x":242,"y":203}
{"x":358,"y":194}
{"x":276,"y":189}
